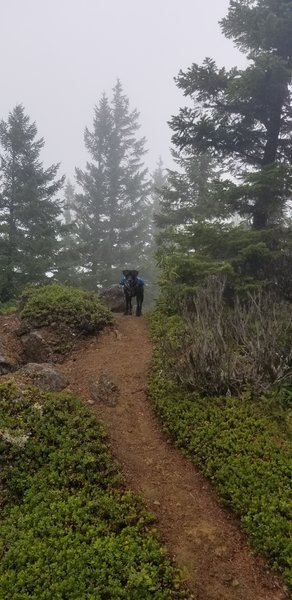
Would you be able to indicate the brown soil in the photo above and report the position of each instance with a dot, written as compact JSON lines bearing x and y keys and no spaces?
{"x":199,"y":534}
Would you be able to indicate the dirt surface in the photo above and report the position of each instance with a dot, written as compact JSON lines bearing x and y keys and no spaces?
{"x":198,"y":533}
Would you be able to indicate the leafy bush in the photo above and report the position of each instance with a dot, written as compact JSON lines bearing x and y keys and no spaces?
{"x":68,"y":527}
{"x":80,"y":310}
{"x":242,"y":446}
{"x":225,"y":349}
{"x":8,"y":308}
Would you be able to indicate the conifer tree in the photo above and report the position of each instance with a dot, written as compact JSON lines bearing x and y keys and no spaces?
{"x":150,"y":269}
{"x":29,"y":209}
{"x":113,"y":207}
{"x":244,"y":116}
{"x":69,"y":202}
{"x":159,"y":179}
{"x":185,"y":198}
{"x":68,"y":259}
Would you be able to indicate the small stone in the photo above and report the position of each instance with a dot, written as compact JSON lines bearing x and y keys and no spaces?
{"x":221,"y":551}
{"x":156,"y":503}
{"x":105,"y":390}
{"x":235,"y":583}
{"x":7,"y":365}
{"x":23,"y":328}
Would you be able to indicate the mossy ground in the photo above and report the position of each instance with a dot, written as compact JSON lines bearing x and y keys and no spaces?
{"x":243,"y":446}
{"x":69,"y":529}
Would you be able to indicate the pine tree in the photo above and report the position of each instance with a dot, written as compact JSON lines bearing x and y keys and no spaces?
{"x":29,"y":210}
{"x":159,"y":179}
{"x":150,"y":269}
{"x":244,"y":116}
{"x":186,"y":198}
{"x":68,"y":259}
{"x":113,"y":207}
{"x":69,"y":202}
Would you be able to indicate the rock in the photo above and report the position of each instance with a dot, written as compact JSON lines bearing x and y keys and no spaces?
{"x":45,"y":376}
{"x":23,"y":328}
{"x":286,"y":589}
{"x":113,"y":297}
{"x":105,"y":390}
{"x":10,"y":347}
{"x":221,"y":551}
{"x":7,"y":365}
{"x":35,"y":347}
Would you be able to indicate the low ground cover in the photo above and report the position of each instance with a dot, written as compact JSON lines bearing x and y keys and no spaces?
{"x":241,"y":443}
{"x":69,"y":529}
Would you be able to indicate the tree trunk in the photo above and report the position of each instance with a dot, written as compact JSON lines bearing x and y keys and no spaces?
{"x":266,"y":198}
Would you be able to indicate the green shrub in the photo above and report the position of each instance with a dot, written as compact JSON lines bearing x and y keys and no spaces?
{"x":69,"y":529}
{"x":243,"y":446}
{"x":215,"y":349}
{"x":80,"y":310}
{"x":8,"y":308}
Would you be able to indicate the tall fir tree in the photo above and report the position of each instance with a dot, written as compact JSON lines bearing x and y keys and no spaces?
{"x":113,"y":223}
{"x":186,"y":197}
{"x":69,"y":202}
{"x":242,"y":118}
{"x":159,"y":179}
{"x":150,"y":268}
{"x":29,"y":209}
{"x":68,"y":259}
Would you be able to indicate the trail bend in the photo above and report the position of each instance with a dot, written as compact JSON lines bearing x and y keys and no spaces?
{"x":200,"y":535}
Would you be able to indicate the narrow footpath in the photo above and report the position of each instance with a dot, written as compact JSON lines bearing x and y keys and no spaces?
{"x":200,"y":535}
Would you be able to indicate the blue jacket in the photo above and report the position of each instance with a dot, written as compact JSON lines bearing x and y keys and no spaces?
{"x":140,"y":280}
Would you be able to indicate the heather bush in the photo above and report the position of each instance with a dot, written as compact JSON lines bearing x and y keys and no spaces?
{"x":82,"y":311}
{"x":218,"y":349}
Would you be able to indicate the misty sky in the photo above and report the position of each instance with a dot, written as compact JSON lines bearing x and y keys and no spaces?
{"x":59,"y":56}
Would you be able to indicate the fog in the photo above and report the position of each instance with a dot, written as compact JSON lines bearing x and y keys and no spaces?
{"x":58,"y":57}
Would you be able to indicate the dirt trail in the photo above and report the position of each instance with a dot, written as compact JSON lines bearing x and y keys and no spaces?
{"x":200,"y":535}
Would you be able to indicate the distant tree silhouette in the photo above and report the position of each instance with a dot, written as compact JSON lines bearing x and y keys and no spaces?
{"x":113,"y":220}
{"x":29,"y":210}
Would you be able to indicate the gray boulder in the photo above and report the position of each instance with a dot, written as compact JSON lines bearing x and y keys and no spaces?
{"x":23,"y":328}
{"x":7,"y":364}
{"x":113,"y":297}
{"x":45,"y":376}
{"x":35,"y":347}
{"x":105,"y":390}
